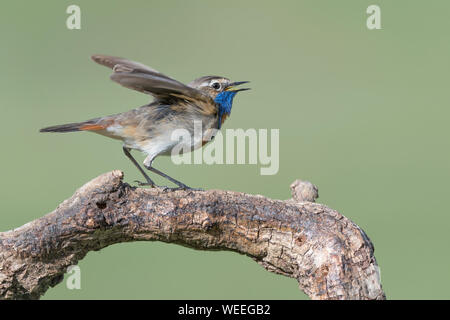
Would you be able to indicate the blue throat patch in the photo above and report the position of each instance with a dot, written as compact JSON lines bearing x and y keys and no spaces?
{"x":225,"y":101}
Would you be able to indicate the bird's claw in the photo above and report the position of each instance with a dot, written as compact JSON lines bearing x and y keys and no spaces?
{"x":145,"y":184}
{"x":165,"y":188}
{"x":184,"y":187}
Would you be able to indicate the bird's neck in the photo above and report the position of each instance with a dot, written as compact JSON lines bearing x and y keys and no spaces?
{"x":224,"y":101}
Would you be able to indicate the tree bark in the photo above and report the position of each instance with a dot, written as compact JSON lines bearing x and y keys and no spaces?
{"x":330,"y":256}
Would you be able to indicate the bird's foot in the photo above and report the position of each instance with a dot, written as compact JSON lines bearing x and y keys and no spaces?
{"x":166,"y":188}
{"x":145,"y":184}
{"x":184,"y":187}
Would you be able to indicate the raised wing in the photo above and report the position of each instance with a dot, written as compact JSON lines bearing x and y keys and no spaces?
{"x":111,"y":62}
{"x":137,"y":76}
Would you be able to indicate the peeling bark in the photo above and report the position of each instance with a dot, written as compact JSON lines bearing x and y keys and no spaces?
{"x":330,"y":256}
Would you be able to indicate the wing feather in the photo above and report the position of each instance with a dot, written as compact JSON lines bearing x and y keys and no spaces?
{"x":137,"y":76}
{"x":111,"y":62}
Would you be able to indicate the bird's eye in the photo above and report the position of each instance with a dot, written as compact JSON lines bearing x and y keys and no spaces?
{"x":215,"y":85}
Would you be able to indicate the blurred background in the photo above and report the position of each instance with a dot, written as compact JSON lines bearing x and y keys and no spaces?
{"x":362,"y":114}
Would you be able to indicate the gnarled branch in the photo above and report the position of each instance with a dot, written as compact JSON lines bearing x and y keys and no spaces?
{"x":330,"y":256}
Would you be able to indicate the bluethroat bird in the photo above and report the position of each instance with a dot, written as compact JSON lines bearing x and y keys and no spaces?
{"x":206,"y":100}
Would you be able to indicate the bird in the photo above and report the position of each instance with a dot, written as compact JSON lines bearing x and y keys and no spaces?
{"x":207,"y":100}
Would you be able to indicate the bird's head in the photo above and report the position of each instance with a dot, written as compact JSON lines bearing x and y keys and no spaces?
{"x":221,"y":90}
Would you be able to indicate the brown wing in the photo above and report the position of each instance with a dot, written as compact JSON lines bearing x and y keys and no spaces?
{"x":110,"y":62}
{"x":136,"y":76}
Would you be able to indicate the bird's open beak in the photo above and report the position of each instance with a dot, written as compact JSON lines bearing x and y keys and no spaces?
{"x":232,"y":85}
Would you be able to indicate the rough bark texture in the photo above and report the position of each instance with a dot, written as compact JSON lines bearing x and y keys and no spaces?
{"x":330,"y":256}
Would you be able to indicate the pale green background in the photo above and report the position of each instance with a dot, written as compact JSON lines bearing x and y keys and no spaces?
{"x":362,"y":114}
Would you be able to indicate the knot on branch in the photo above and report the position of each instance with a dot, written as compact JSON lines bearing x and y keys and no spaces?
{"x":304,"y":191}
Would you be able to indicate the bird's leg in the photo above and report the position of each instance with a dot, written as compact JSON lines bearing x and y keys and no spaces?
{"x":162,"y":174}
{"x":149,"y":181}
{"x":148,"y":165}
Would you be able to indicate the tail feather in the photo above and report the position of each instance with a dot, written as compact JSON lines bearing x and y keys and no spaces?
{"x":72,"y":127}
